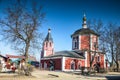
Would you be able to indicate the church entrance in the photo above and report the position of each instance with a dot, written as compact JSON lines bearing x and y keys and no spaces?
{"x":45,"y":65}
{"x":97,"y":67}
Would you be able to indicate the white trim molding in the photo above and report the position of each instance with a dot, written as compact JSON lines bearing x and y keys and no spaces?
{"x":63,"y":63}
{"x":79,"y":42}
{"x":44,"y":53}
{"x":91,"y":41}
{"x":104,"y":62}
{"x":85,"y":58}
{"x":51,"y":58}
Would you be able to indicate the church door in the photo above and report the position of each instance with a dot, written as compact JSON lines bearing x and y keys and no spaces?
{"x":45,"y":65}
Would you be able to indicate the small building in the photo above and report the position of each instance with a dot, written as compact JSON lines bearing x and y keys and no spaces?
{"x":2,"y":58}
{"x":84,"y":46}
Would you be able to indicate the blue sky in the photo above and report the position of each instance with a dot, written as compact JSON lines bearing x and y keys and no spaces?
{"x":65,"y":16}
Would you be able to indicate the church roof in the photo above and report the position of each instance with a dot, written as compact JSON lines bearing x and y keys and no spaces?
{"x":84,"y":31}
{"x":72,"y":54}
{"x":49,"y":37}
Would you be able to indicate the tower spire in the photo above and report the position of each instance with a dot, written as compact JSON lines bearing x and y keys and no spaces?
{"x":49,"y":37}
{"x":84,"y":25}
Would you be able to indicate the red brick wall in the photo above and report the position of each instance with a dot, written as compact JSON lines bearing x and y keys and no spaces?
{"x":48,"y":47}
{"x":88,"y":59}
{"x":42,"y":62}
{"x":85,"y":40}
{"x":57,"y":63}
{"x":102,"y":61}
{"x":94,"y":40}
{"x":69,"y":60}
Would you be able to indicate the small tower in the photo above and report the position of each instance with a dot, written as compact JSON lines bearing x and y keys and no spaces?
{"x":84,"y":38}
{"x":48,"y":46}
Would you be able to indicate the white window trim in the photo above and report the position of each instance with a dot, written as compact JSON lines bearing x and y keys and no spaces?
{"x":91,"y":41}
{"x":79,"y":42}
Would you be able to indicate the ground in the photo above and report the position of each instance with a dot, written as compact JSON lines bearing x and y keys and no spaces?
{"x":57,"y":75}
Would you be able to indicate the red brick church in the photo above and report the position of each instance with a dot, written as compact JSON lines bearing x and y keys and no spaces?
{"x":84,"y":46}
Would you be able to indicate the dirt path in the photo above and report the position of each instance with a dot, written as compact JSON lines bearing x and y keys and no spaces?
{"x":48,"y":75}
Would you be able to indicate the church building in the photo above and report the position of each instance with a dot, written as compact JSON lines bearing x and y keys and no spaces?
{"x":84,"y":46}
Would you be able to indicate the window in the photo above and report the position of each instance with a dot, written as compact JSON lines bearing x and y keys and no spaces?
{"x":72,"y":65}
{"x":98,"y":58}
{"x":75,"y":44}
{"x":79,"y":65}
{"x":50,"y":44}
{"x":92,"y":57}
{"x":46,"y":44}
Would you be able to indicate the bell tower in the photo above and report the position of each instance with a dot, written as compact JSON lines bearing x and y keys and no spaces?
{"x":84,"y":38}
{"x":48,"y":45}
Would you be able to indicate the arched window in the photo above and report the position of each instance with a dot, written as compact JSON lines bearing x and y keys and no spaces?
{"x":45,"y":65}
{"x":72,"y":65}
{"x":75,"y":44}
{"x":98,"y":59}
{"x":79,"y":65}
{"x":46,"y":44}
{"x":50,"y":44}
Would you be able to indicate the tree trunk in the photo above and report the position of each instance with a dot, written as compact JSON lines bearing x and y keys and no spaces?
{"x":26,"y":52}
{"x":117,"y":66}
{"x":91,"y":62}
{"x":112,"y":53}
{"x":27,"y":72}
{"x":90,"y":67}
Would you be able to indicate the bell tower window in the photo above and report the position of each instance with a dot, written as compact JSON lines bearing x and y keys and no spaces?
{"x":75,"y":42}
{"x":46,"y":44}
{"x":50,"y":44}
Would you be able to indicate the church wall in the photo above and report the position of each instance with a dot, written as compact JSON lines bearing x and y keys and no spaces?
{"x":85,"y":42}
{"x":68,"y":62}
{"x":88,"y":59}
{"x":102,"y":61}
{"x":94,"y":42}
{"x":57,"y":63}
{"x":48,"y":48}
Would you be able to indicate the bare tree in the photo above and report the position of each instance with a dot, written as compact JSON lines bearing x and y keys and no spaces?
{"x":117,"y":47}
{"x":97,"y":26}
{"x":112,"y":41}
{"x":21,"y":25}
